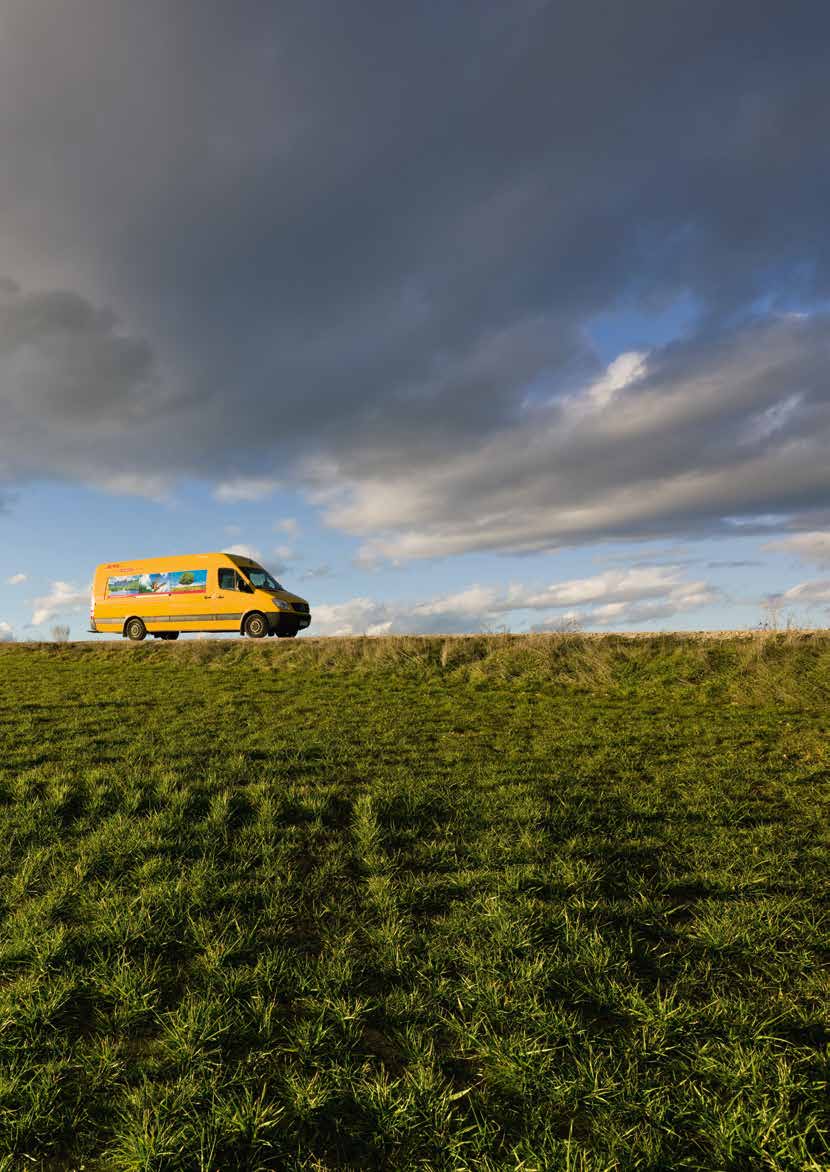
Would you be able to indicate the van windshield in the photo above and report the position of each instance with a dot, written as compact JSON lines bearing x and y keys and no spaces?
{"x":261,"y":579}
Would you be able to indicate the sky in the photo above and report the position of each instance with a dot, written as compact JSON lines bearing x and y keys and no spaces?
{"x":458,"y":316}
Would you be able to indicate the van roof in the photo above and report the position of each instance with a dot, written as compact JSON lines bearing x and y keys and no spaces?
{"x":239,"y":560}
{"x":236,"y":559}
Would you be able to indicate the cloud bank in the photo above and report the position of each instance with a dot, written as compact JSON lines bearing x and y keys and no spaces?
{"x":673,"y":447}
{"x":614,"y":598}
{"x":364,"y":251}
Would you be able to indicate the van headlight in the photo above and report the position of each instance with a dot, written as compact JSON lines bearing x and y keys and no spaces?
{"x":281,"y":604}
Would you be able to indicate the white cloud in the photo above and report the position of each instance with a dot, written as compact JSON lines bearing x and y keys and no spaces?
{"x":475,"y":600}
{"x":626,"y":369}
{"x":817,"y":591}
{"x":245,"y":489}
{"x":616,"y":598}
{"x":624,"y":614}
{"x":284,"y":552}
{"x":17,"y":579}
{"x":616,"y":586}
{"x":245,"y":551}
{"x":62,"y":598}
{"x":809,"y":547}
{"x":286,"y":525}
{"x":6,"y":633}
{"x":358,"y":616}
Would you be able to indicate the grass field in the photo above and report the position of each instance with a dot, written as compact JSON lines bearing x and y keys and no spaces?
{"x":485,"y":903}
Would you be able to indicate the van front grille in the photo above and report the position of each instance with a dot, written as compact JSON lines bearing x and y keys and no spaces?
{"x":302,"y":607}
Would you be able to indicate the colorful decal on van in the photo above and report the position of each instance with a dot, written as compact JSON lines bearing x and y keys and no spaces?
{"x":173,"y":582}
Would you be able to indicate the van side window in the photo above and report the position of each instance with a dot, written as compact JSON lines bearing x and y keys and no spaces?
{"x":227,"y":579}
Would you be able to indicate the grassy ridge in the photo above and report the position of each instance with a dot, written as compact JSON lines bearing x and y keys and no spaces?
{"x":482,"y":903}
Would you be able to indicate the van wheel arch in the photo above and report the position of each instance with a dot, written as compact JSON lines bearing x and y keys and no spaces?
{"x":134,"y":628}
{"x":254,"y":624}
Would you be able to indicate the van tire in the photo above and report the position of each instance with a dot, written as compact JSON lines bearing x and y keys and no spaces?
{"x":134,"y":629}
{"x":256,"y":625}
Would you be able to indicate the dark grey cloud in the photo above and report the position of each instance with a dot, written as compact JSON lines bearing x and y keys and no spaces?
{"x":357,"y":245}
{"x":74,"y":389}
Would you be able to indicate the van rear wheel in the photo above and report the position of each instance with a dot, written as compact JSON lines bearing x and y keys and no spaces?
{"x":136,"y":630}
{"x":256,"y":626}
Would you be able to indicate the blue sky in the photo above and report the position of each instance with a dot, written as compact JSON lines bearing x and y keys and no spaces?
{"x":463,"y":317}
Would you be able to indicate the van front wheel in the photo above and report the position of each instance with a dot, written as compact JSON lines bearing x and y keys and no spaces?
{"x":256,"y":626}
{"x":136,"y":630}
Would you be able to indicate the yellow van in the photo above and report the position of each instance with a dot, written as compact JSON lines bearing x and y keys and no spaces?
{"x":195,"y":592}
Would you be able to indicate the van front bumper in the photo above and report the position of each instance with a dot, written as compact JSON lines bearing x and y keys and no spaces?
{"x":284,"y":623}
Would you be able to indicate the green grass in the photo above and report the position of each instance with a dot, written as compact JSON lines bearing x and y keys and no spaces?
{"x":521,"y":903}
